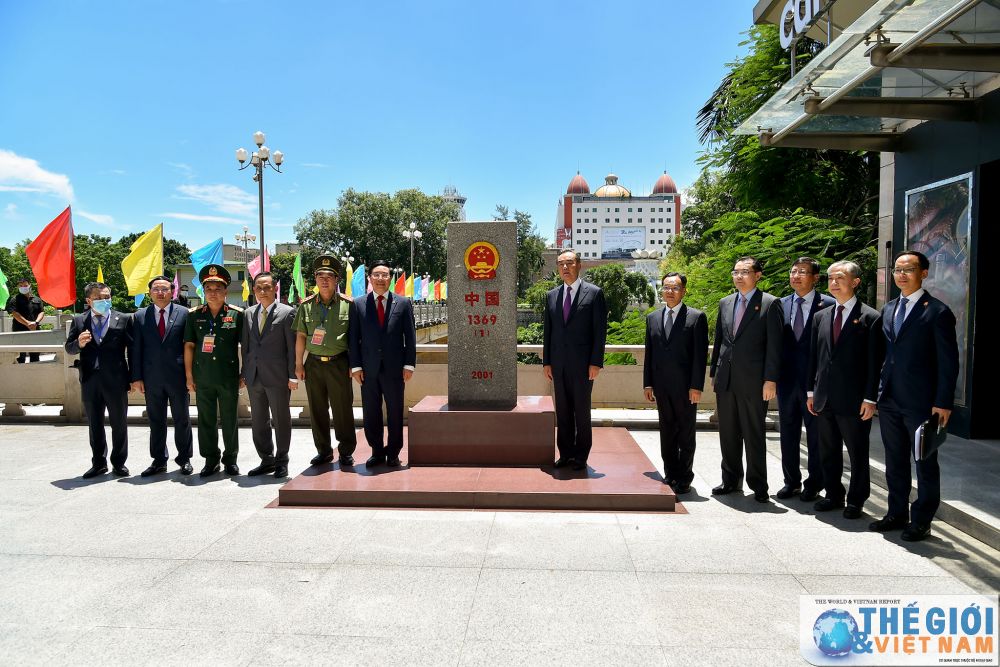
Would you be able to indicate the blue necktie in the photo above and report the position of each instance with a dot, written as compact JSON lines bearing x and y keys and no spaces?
{"x":897,"y":322}
{"x":798,"y":325}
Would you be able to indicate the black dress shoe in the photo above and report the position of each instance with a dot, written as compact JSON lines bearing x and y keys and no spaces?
{"x":187,"y":468}
{"x":346,"y":461}
{"x":787,"y":492}
{"x":119,"y":471}
{"x":209,"y":470}
{"x":375,"y":461}
{"x":680,"y":489}
{"x":578,"y":465}
{"x":154,"y":469}
{"x":808,"y":495}
{"x":95,"y":471}
{"x":828,"y":504}
{"x":262,"y":469}
{"x":232,"y":469}
{"x":761,"y":496}
{"x":723,"y":489}
{"x":561,"y":462}
{"x":852,"y":512}
{"x":916,"y":532}
{"x":320,"y":459}
{"x":393,"y":462}
{"x":280,"y":471}
{"x":887,"y":523}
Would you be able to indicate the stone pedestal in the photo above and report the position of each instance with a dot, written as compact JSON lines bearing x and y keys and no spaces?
{"x":522,"y":435}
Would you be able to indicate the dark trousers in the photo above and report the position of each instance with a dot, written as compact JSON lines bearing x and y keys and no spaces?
{"x":100,"y":394}
{"x":378,"y":387}
{"x":157,"y":399}
{"x":741,"y":423}
{"x":214,"y":400}
{"x":897,"y":429}
{"x":271,"y":406}
{"x":328,"y":384}
{"x":33,"y":356}
{"x":792,"y":413}
{"x":836,"y":431}
{"x":677,"y":416}
{"x":574,"y":436}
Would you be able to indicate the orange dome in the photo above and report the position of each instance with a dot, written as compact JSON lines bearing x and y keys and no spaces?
{"x":664,"y":185}
{"x":578,"y":186}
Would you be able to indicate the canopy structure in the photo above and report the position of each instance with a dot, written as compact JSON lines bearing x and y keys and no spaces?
{"x":899,"y":63}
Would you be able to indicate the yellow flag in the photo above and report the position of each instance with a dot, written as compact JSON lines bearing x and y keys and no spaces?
{"x":409,"y":286}
{"x":347,"y":283}
{"x":444,"y":291}
{"x":246,"y":291}
{"x":100,"y":274}
{"x":145,"y":261}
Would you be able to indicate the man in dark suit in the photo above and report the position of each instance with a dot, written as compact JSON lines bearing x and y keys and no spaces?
{"x":158,"y":372}
{"x":383,"y":354}
{"x":917,"y":380}
{"x":102,"y":337}
{"x":575,"y":327}
{"x":268,"y":347}
{"x":846,"y":356}
{"x":746,"y":364}
{"x":673,"y":375}
{"x":799,"y":308}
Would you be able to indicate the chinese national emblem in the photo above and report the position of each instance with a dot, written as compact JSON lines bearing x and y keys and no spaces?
{"x":482,"y":259}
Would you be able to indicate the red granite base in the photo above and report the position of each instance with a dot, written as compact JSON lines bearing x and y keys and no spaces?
{"x":523,"y":435}
{"x":619,"y":478}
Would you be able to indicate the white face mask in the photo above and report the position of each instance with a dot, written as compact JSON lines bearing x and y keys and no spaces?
{"x":24,"y":290}
{"x":184,"y":292}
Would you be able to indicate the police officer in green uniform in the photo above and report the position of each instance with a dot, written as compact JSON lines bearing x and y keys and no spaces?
{"x":321,"y":329}
{"x":211,"y":361}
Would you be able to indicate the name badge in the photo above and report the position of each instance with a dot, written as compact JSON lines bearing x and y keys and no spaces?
{"x":208,"y":344}
{"x":319,"y":335}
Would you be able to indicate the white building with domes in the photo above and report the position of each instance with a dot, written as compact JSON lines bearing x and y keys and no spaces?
{"x":611,"y":222}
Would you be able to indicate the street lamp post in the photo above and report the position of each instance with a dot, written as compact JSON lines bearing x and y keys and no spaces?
{"x":413,"y":234}
{"x":260,"y":157}
{"x":246,"y":238}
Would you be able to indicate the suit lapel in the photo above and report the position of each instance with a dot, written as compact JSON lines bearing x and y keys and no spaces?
{"x":576,"y":300}
{"x":174,"y":312}
{"x":678,"y":323}
{"x":847,"y":326}
{"x":888,"y":316}
{"x":753,"y":309}
{"x":916,"y":311}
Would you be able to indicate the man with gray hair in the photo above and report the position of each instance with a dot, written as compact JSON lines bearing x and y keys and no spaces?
{"x":844,"y":362}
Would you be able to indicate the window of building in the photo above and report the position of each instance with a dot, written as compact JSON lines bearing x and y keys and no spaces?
{"x":616,"y":210}
{"x":617,"y":220}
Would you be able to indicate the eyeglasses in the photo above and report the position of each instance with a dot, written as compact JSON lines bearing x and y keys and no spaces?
{"x":908,"y":271}
{"x":382,"y":276}
{"x":263,"y":288}
{"x":566,"y":263}
{"x":742,"y":272}
{"x":160,"y":290}
{"x":800,"y":272}
{"x":672,"y":289}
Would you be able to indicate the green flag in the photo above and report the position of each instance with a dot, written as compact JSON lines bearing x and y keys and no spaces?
{"x":4,"y":292}
{"x":297,"y":281}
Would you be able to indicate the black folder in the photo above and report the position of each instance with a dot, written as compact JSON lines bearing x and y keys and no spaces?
{"x":928,"y":437}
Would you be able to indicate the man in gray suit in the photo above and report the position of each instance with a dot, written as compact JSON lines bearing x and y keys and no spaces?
{"x":746,"y":363}
{"x":268,"y":373}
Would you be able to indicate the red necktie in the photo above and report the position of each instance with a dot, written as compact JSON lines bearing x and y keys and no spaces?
{"x":381,"y":312}
{"x":838,"y":324}
{"x":161,"y":327}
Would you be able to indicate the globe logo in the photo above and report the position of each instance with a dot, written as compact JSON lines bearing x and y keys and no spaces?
{"x":834,"y":632}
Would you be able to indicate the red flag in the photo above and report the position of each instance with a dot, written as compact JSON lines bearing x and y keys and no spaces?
{"x":52,"y":261}
{"x":400,"y":287}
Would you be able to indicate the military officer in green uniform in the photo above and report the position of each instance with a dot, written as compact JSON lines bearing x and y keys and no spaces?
{"x":321,"y":330}
{"x":211,"y":361}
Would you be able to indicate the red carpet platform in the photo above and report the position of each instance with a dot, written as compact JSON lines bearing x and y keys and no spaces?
{"x":620,"y":478}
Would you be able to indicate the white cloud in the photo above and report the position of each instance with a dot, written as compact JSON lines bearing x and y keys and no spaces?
{"x":314,"y":165}
{"x":202,"y":218}
{"x":186,"y":170}
{"x":10,"y":211}
{"x":22,"y":174}
{"x":102,"y":219}
{"x":223,"y":198}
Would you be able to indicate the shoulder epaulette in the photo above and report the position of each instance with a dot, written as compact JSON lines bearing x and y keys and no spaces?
{"x":194,"y":309}
{"x":344,"y":296}
{"x":309,"y":298}
{"x":236,"y":308}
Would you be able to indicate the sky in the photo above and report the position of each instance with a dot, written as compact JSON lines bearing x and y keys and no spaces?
{"x":131,"y":112}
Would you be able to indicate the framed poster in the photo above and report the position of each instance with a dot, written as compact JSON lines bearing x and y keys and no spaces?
{"x":619,"y":242}
{"x":939,"y":224}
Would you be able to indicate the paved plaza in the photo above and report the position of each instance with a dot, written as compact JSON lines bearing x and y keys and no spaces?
{"x":179,"y":570}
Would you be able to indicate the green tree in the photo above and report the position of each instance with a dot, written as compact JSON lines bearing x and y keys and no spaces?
{"x":174,"y":252}
{"x":281,"y":266}
{"x":620,"y":288}
{"x":370,"y":225}
{"x":535,"y":295}
{"x":91,"y":251}
{"x":530,"y":246}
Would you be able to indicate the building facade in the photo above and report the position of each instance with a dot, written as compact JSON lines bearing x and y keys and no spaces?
{"x":611,"y":223}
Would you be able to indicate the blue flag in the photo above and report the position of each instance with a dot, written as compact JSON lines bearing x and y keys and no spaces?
{"x":417,"y":291}
{"x":358,"y":283}
{"x":202,"y":257}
